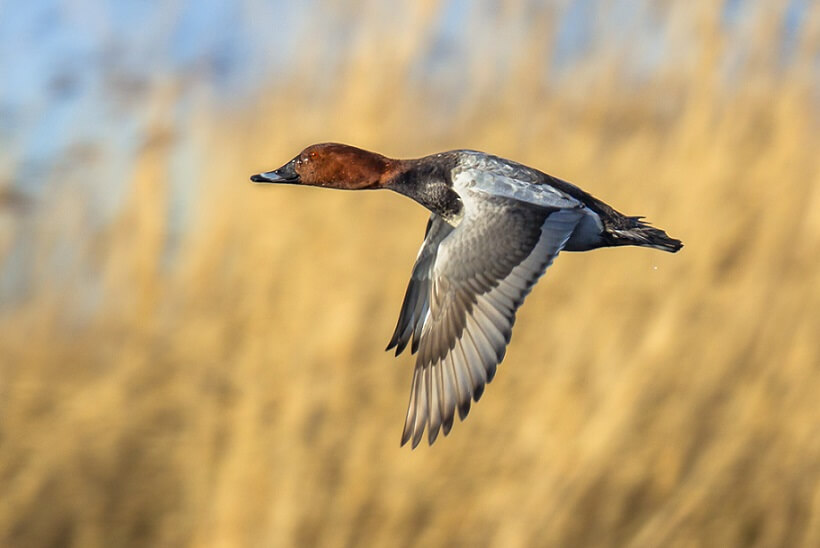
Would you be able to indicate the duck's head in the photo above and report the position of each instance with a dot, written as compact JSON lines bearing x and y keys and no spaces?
{"x":332,"y":165}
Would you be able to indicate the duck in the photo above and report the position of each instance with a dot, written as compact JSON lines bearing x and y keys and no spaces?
{"x":495,"y":227}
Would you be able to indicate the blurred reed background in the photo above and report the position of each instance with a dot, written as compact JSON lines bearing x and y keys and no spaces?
{"x":187,"y":359}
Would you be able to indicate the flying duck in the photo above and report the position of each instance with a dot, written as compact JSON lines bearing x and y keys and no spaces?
{"x":494,"y":228}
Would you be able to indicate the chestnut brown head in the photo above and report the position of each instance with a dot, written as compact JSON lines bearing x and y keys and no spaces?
{"x":332,"y":165}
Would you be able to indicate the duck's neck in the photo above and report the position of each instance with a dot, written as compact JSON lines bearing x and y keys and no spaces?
{"x":429,"y":184}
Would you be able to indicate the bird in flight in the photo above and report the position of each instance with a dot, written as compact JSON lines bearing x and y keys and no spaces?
{"x":495,"y":226}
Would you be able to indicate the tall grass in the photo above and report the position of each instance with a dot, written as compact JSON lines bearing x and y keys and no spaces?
{"x":222,"y":382}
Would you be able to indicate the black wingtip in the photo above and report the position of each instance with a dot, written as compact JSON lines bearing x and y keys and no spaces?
{"x":399,"y":341}
{"x":400,"y":345}
{"x":463,"y":410}
{"x":491,"y":373}
{"x":396,"y":343}
{"x":447,"y":425}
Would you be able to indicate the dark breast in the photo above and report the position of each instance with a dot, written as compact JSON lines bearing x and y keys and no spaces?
{"x":428,"y":182}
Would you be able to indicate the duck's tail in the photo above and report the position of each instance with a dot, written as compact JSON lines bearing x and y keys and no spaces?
{"x":634,"y":231}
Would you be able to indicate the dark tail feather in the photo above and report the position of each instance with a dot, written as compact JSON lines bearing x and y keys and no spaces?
{"x":633,"y":231}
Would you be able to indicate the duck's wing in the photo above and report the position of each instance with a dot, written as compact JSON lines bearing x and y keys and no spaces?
{"x":460,"y":306}
{"x":417,"y":297}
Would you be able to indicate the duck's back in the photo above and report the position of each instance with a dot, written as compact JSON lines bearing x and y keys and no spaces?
{"x":601,"y":225}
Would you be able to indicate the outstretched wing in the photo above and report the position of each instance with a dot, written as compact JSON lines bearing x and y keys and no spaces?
{"x":460,"y":306}
{"x":417,"y":297}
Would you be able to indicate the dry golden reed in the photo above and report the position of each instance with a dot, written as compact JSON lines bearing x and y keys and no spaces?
{"x":223,"y":383}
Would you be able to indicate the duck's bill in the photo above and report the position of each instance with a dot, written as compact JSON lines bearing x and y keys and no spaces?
{"x":285,"y":174}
